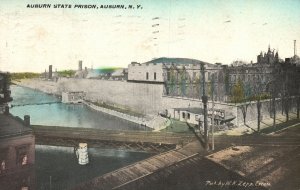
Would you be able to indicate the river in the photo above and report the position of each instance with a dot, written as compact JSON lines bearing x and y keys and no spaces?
{"x":59,"y":163}
{"x":60,"y":114}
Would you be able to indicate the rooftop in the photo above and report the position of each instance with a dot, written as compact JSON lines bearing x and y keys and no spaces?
{"x":177,"y":61}
{"x":191,"y":110}
{"x":12,"y":126}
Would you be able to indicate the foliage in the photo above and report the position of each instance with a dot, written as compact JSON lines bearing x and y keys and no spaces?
{"x":238,"y":94}
{"x":172,"y":82}
{"x":25,"y":75}
{"x":227,"y":83}
{"x":248,"y":91}
{"x":244,"y":92}
{"x":66,"y":73}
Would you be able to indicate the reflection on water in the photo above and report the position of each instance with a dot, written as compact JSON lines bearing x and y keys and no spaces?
{"x":69,"y":115}
{"x":61,"y":164}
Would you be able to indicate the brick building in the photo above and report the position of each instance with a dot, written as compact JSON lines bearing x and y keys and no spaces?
{"x":17,"y":151}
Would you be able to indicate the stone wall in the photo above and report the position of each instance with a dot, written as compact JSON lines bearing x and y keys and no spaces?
{"x":144,"y":98}
{"x":139,"y":97}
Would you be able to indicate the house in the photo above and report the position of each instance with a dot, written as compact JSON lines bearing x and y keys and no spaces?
{"x":72,"y":97}
{"x":17,"y":153}
{"x":196,"y":115}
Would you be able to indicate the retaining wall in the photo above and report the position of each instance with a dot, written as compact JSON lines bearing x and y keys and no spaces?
{"x":144,"y":97}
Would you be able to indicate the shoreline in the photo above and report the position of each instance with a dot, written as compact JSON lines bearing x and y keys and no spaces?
{"x":142,"y":121}
{"x":138,"y":120}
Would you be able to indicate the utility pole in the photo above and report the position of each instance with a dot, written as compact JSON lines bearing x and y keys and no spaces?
{"x":50,"y":181}
{"x":213,"y":114}
{"x":295,"y":49}
{"x":204,"y":101}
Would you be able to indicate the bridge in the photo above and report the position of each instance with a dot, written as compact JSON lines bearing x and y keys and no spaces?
{"x":144,"y":140}
{"x":31,"y":104}
{"x":135,"y":140}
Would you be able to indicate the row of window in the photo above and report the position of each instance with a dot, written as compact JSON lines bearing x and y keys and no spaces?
{"x":21,"y":157}
{"x":188,"y":115}
{"x":249,"y":77}
{"x":147,"y":76}
{"x":209,"y":75}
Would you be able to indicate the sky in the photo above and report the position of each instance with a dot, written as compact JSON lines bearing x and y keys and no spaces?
{"x":208,"y":30}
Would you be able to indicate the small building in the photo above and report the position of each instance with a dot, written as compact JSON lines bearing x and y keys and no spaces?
{"x":72,"y":97}
{"x":196,"y":115}
{"x":17,"y":153}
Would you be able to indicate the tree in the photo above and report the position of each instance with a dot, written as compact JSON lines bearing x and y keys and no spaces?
{"x":226,"y":86}
{"x":238,"y":92}
{"x":182,"y":81}
{"x":258,"y":87}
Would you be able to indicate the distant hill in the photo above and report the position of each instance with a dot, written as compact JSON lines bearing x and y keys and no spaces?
{"x":177,"y":61}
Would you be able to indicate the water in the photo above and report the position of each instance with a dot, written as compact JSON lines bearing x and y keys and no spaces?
{"x":60,"y":114}
{"x":60,"y":163}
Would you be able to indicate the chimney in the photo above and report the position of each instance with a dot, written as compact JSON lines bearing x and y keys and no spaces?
{"x":295,"y":50}
{"x":27,"y":120}
{"x":6,"y":111}
{"x":80,"y":65}
{"x":50,"y":72}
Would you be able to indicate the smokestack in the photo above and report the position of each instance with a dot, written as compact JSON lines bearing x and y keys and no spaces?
{"x":50,"y":72}
{"x":80,"y":65}
{"x":27,"y":120}
{"x":295,"y":49}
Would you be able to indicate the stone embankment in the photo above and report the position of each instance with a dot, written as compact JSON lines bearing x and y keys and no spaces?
{"x":154,"y":122}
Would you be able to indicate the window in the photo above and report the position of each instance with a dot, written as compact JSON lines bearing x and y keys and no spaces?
{"x":188,"y":116}
{"x":22,"y":157}
{"x":147,"y":76}
{"x":3,"y":157}
{"x":24,"y":160}
{"x":2,"y":166}
{"x":154,"y":75}
{"x":183,"y":115}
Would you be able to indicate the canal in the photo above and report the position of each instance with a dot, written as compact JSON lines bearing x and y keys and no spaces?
{"x":59,"y":164}
{"x":60,"y":114}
